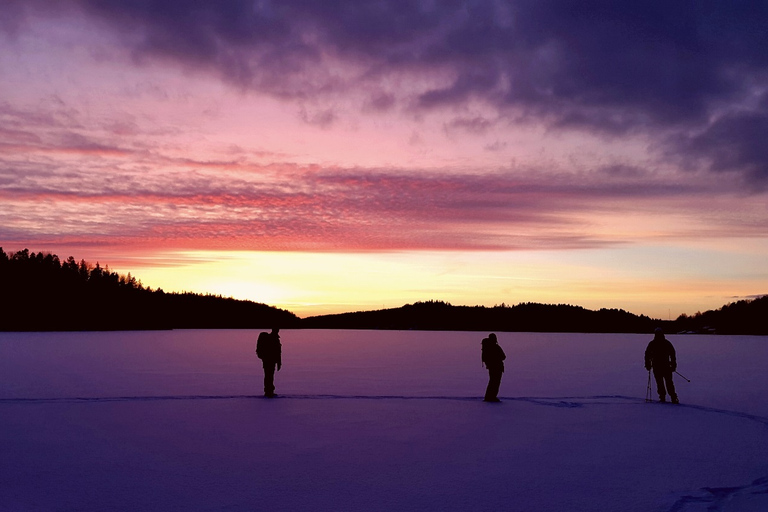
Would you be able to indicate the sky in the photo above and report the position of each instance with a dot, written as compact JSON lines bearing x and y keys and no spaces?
{"x":341,"y":155}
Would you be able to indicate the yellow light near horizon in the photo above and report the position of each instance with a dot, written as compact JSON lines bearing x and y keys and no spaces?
{"x":323,"y":283}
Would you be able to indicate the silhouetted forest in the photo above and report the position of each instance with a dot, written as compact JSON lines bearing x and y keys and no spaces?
{"x":742,"y":317}
{"x":43,"y":293}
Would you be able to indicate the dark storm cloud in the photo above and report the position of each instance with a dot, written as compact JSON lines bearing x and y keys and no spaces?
{"x":612,"y":67}
{"x":665,"y":61}
{"x":734,"y":142}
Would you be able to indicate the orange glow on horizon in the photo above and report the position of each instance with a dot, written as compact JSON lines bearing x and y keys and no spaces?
{"x":321,"y":283}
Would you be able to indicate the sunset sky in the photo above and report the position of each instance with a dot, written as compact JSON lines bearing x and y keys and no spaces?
{"x":329,"y":156}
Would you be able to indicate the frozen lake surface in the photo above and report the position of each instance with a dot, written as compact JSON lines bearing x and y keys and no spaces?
{"x":377,"y":420}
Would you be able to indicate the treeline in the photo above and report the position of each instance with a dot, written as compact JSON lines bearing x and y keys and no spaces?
{"x":742,"y":317}
{"x":43,"y":293}
{"x":528,"y":317}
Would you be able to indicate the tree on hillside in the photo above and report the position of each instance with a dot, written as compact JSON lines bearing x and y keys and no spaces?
{"x":47,"y":294}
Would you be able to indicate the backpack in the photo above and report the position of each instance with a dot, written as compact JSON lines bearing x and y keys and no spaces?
{"x":487,"y":350}
{"x":262,"y":345}
{"x":492,"y":355}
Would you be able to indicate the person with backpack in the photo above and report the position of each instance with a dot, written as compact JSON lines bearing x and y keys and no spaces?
{"x":493,"y":358}
{"x":660,"y":355}
{"x":269,"y":350}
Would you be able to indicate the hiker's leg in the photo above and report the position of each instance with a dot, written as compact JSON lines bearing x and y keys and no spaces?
{"x":659,"y":376}
{"x":269,"y":378}
{"x":494,"y":382}
{"x":670,"y":386}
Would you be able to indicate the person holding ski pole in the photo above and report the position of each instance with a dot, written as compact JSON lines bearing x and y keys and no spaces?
{"x":493,"y":358}
{"x":660,"y":355}
{"x":269,"y":350}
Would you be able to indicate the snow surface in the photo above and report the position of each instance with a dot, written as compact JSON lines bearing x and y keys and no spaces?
{"x":377,"y":420}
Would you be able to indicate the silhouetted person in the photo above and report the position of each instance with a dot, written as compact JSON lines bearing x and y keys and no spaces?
{"x":493,"y":358}
{"x":660,"y":355}
{"x":269,"y":350}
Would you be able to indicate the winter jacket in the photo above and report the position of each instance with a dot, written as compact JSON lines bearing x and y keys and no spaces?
{"x":492,"y":355}
{"x":268,"y":348}
{"x":660,"y":355}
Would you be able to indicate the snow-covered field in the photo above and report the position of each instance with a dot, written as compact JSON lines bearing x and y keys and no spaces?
{"x":377,"y":420}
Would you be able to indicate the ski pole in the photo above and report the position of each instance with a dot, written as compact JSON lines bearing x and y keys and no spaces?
{"x":683,"y":376}
{"x":648,"y":389}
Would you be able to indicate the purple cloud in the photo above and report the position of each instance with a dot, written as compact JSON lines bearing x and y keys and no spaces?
{"x":605,"y":66}
{"x":654,"y":67}
{"x":477,"y":125}
{"x":653,"y":60}
{"x":734,"y":142}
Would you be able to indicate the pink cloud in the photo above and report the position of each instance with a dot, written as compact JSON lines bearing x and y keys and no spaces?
{"x":291,"y":207}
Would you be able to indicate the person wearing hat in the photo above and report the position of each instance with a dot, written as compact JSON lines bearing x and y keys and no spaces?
{"x":660,"y":355}
{"x":493,"y":358}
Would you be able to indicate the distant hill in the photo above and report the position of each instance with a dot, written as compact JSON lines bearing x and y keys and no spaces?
{"x":743,"y":317}
{"x":529,"y":317}
{"x":43,"y":293}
